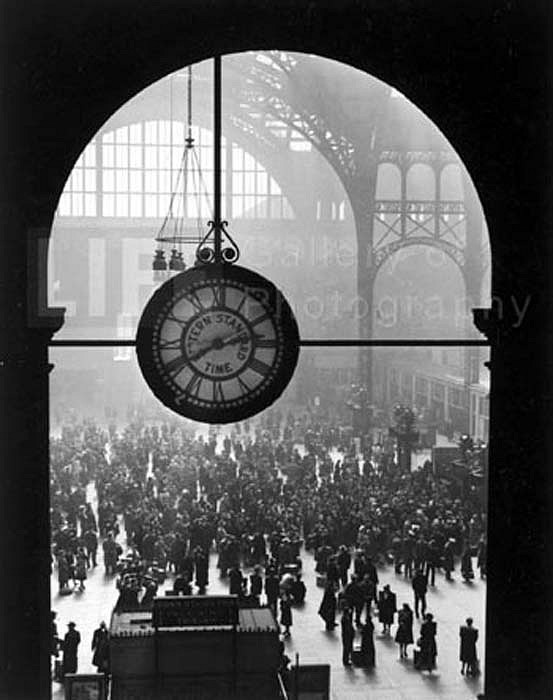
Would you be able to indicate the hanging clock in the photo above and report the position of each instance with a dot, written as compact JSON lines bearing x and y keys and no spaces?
{"x":217,"y":343}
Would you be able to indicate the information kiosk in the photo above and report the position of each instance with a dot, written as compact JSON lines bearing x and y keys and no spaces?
{"x":192,"y":648}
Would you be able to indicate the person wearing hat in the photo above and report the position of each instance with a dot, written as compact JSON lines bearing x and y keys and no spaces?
{"x":467,"y":652}
{"x":419,"y":584}
{"x":348,"y":634}
{"x":344,"y":562}
{"x":387,"y":607}
{"x":100,"y":647}
{"x":448,"y":558}
{"x":427,"y":644}
{"x":71,"y":643}
{"x":404,"y":632}
{"x":298,"y":590}
{"x":327,"y":608}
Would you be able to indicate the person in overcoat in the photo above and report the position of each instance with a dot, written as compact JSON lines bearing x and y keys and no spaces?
{"x":449,"y":558}
{"x":367,"y":643}
{"x":256,"y":582}
{"x":286,"y":614}
{"x":481,"y":556}
{"x":428,"y":647}
{"x":81,"y":566}
{"x":71,"y":643}
{"x":404,"y":632}
{"x":348,"y":634}
{"x":272,"y":589}
{"x":327,"y":609}
{"x":467,"y":652}
{"x":100,"y":647}
{"x":387,"y":607}
{"x":201,"y":565}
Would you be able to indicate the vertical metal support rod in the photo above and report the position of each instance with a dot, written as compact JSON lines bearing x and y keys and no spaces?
{"x":217,"y":99}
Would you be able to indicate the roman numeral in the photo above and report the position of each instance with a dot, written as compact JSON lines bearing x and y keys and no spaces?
{"x":218,"y":391}
{"x":243,"y":386}
{"x":193,"y":298}
{"x":170,"y":344}
{"x":193,"y":386}
{"x":172,"y":317}
{"x":259,"y":366}
{"x":219,"y":295}
{"x":242,"y":302}
{"x":259,"y":319}
{"x":265,"y":342}
{"x":177,"y":365}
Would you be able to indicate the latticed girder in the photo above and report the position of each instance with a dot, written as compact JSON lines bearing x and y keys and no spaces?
{"x":288,"y":90}
{"x":398,"y":223}
{"x":406,"y":158}
{"x":384,"y":252}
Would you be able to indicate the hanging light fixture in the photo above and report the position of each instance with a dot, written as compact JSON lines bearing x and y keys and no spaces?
{"x":174,"y":233}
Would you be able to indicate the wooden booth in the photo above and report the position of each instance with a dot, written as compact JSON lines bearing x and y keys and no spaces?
{"x":192,"y":647}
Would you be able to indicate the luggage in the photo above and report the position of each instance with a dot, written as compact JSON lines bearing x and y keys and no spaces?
{"x":416,"y":658}
{"x":357,"y":656}
{"x":321,"y":580}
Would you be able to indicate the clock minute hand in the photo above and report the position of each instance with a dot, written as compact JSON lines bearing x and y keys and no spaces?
{"x":202,"y":351}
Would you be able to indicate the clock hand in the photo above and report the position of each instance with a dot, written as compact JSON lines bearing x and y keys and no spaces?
{"x":221,"y":342}
{"x":215,"y":344}
{"x":234,"y":339}
{"x":201,"y":352}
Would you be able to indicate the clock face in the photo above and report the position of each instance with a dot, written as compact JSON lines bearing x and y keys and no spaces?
{"x":217,"y":343}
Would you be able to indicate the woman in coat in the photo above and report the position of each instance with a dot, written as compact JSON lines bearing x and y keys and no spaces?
{"x":367,"y":644}
{"x":467,"y":571}
{"x":81,"y":565}
{"x":64,"y":572}
{"x":427,"y":643}
{"x":327,"y":609}
{"x":286,"y":614}
{"x":404,"y":632}
{"x":467,"y":652}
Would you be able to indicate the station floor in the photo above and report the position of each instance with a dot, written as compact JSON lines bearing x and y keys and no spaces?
{"x":392,"y":679}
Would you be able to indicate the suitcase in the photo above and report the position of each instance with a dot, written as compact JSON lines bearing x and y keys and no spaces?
{"x":321,"y":580}
{"x":357,"y":656}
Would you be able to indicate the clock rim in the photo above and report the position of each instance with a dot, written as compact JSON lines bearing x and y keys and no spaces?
{"x":279,"y":309}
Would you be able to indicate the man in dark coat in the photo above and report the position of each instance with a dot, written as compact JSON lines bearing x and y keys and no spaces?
{"x":355,"y":597}
{"x":256,"y":582}
{"x":432,"y":560}
{"x":344,"y":562}
{"x":90,"y":541}
{"x":327,"y":608}
{"x":272,"y":586}
{"x":100,"y":647}
{"x":467,"y":652}
{"x":201,"y":564}
{"x":71,"y":643}
{"x":236,"y":581}
{"x":348,"y":634}
{"x":449,"y":558}
{"x":420,"y":586}
{"x":387,"y":607}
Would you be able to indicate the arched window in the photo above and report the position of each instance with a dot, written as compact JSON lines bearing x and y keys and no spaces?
{"x":131,"y":172}
{"x":365,"y":244}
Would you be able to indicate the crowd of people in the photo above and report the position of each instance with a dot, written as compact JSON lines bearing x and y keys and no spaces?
{"x":287,"y":484}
